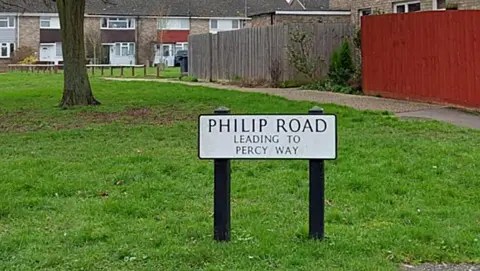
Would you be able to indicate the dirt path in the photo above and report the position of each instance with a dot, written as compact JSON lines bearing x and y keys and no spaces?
{"x":403,"y":109}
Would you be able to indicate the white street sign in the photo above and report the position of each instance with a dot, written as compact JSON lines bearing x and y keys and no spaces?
{"x":267,"y":137}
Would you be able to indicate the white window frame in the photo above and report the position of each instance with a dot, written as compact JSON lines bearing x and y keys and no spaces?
{"x":435,"y":5}
{"x":238,"y":24}
{"x":122,"y":45}
{"x":9,"y":20}
{"x":397,"y":4}
{"x":8,"y":46}
{"x":162,"y":24}
{"x":118,"y":19}
{"x":46,"y":19}
{"x":59,"y":44}
{"x":211,"y":23}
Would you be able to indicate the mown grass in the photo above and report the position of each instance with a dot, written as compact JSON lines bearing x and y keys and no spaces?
{"x":120,"y":187}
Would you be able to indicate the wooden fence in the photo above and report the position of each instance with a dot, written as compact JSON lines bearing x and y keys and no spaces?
{"x":92,"y":67}
{"x":251,"y":52}
{"x":426,"y":56}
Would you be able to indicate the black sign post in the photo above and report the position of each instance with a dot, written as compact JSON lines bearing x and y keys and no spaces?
{"x":221,"y":204}
{"x":223,"y":137}
{"x":316,"y":212}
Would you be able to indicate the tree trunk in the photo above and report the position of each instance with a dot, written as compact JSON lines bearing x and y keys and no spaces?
{"x":77,"y":89}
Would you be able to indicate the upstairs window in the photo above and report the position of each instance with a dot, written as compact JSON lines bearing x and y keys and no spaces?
{"x":364,"y":12}
{"x":439,"y":4}
{"x":118,"y":23}
{"x":174,"y":24}
{"x":406,"y":7}
{"x":45,"y":22}
{"x":213,"y":24}
{"x":7,"y":22}
{"x":235,"y":24}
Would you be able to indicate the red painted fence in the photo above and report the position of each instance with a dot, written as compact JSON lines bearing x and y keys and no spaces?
{"x":426,"y":56}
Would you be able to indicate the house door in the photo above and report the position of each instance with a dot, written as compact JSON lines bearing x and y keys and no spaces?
{"x":122,"y":53}
{"x":164,"y":54}
{"x":47,"y":52}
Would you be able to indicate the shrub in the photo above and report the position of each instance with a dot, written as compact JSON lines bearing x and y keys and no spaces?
{"x":301,"y":56}
{"x":341,"y":64}
{"x":329,"y":85}
{"x":29,"y":60}
{"x":189,"y":79}
{"x":24,"y":55}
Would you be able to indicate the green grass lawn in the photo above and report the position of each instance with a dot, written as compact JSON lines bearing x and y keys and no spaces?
{"x":120,"y":187}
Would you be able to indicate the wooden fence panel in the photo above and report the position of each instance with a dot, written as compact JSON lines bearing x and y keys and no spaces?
{"x":425,"y":56}
{"x":249,"y":53}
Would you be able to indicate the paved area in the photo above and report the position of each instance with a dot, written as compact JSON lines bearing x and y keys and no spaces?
{"x":403,"y":109}
{"x":453,"y":116}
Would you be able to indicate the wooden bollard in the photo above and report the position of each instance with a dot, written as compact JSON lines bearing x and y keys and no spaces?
{"x":111,"y":70}
{"x":56,"y":69}
{"x":158,"y":70}
{"x":121,"y":70}
{"x":133,"y":71}
{"x":101,"y":70}
{"x":145,"y":70}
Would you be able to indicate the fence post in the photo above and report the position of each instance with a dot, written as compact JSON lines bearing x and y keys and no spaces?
{"x":111,"y":70}
{"x":56,"y":69}
{"x":210,"y":57}
{"x":158,"y":70}
{"x":93,"y":70}
{"x":121,"y":70}
{"x":145,"y":70}
{"x":133,"y":71}
{"x":102,"y":70}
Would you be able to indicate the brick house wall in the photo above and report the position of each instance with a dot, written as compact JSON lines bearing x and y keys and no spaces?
{"x":386,"y":6}
{"x":29,"y":33}
{"x":262,"y":20}
{"x":340,"y":4}
{"x":147,"y":35}
{"x":199,"y":26}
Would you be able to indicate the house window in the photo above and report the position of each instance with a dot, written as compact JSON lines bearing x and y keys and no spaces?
{"x":213,"y":24}
{"x":439,"y":4}
{"x":174,"y":24}
{"x":7,"y":50}
{"x":58,"y":49}
{"x":235,"y":24}
{"x":406,"y":7}
{"x":364,"y":12}
{"x":124,"y":49}
{"x":44,"y":22}
{"x":7,"y":22}
{"x":118,"y":23}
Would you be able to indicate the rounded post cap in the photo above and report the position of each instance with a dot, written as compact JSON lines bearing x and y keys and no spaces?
{"x":222,"y":110}
{"x":316,"y":110}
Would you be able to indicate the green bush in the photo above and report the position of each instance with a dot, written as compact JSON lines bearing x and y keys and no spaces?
{"x":341,"y":65}
{"x":329,"y":85}
{"x":189,"y":79}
